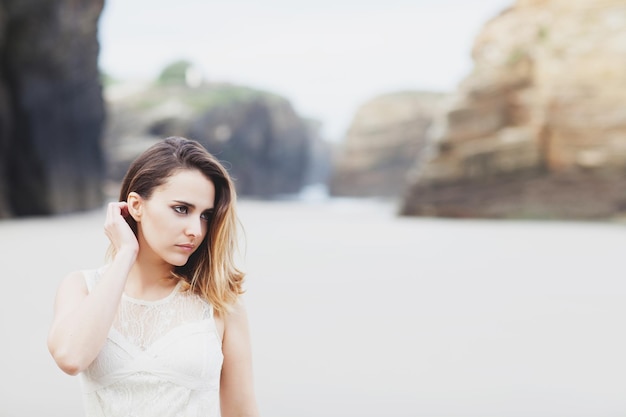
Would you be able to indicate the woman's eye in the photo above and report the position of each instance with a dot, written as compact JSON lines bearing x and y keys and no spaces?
{"x":206,"y":216}
{"x":180,"y":209}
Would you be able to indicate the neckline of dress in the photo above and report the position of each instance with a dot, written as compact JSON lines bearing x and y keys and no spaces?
{"x":153,"y":302}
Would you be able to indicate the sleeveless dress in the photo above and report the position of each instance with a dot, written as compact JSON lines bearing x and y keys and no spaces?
{"x":161,"y":359}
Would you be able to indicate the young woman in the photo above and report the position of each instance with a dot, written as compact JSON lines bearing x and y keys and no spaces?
{"x":160,"y":330}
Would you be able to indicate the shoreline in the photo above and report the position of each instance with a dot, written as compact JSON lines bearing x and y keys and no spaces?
{"x":357,"y":312}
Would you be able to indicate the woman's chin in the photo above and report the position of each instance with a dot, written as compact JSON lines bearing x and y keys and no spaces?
{"x":178,"y":261}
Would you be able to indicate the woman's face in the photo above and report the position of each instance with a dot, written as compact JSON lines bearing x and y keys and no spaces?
{"x":174,"y":220}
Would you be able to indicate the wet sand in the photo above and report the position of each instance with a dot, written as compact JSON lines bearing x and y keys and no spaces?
{"x":355,"y":312}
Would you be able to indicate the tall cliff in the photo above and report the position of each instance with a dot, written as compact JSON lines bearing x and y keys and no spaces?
{"x":384,"y":139}
{"x":539,"y":126}
{"x":51,"y":107}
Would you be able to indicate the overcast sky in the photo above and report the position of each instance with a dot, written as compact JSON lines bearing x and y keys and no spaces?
{"x":326,"y":56}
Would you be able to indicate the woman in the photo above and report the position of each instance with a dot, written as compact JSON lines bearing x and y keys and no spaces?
{"x":160,"y":330}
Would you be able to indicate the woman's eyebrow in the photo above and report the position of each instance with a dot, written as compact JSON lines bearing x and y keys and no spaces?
{"x":192,"y":206}
{"x":185,"y":203}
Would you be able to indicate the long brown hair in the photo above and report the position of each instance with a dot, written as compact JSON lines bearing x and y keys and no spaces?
{"x":210,"y":270}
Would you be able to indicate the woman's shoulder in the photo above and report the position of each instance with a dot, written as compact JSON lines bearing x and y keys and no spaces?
{"x":82,"y":279}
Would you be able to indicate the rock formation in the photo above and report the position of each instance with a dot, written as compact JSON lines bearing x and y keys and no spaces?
{"x":382,"y":143}
{"x":539,"y":126}
{"x":265,"y":145}
{"x":51,"y":107}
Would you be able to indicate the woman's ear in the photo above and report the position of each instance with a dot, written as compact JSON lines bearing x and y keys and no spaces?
{"x":135,"y":205}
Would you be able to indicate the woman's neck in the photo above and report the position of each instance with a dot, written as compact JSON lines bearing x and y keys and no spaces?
{"x":148,"y":279}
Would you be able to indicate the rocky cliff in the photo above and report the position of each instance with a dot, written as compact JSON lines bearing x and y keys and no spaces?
{"x":539,"y":127}
{"x":264,"y":144}
{"x":51,"y":107}
{"x":382,"y":143}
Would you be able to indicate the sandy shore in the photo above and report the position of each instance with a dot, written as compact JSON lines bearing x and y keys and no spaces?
{"x":355,"y":312}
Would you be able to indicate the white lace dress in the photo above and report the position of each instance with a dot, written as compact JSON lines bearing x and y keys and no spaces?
{"x":161,"y":359}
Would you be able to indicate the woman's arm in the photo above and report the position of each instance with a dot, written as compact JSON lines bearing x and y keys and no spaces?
{"x":236,"y":386}
{"x":82,"y":319}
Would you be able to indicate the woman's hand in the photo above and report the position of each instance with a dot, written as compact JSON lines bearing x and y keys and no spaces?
{"x":117,"y":229}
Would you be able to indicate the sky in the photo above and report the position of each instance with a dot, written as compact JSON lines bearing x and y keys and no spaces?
{"x":327,"y":57}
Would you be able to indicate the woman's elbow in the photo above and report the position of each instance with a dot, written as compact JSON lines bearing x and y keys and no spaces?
{"x":67,"y":364}
{"x":70,"y":368}
{"x":67,"y":361}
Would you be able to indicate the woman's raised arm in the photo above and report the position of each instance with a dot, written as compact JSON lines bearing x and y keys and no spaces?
{"x":82,"y":319}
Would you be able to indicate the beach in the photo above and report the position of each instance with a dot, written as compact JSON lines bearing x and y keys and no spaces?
{"x":356,"y":312}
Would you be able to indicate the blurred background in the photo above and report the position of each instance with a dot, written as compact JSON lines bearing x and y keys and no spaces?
{"x":433,"y":193}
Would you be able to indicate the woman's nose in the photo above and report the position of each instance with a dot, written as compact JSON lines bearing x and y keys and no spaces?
{"x":194,"y":227}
